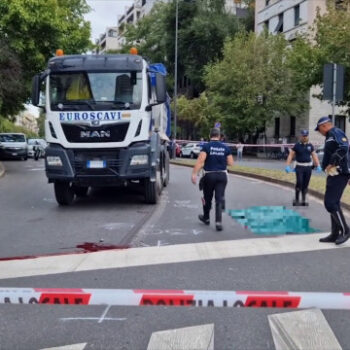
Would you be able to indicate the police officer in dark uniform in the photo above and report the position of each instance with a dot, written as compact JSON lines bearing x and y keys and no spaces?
{"x":214,"y":158}
{"x":305,"y":157}
{"x":336,"y":165}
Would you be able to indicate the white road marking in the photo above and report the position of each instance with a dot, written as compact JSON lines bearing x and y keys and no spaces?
{"x":37,"y":169}
{"x":185,"y":204}
{"x":180,"y":253}
{"x":188,"y":338}
{"x":161,"y":243}
{"x":65,"y":319}
{"x":307,"y":329}
{"x":50,"y":200}
{"x":79,"y":346}
{"x":104,"y":314}
{"x":116,"y":225}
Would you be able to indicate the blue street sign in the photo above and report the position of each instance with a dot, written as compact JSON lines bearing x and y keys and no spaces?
{"x":218,"y":125}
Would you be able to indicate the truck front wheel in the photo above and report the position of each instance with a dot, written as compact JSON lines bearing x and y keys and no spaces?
{"x":151,"y":191}
{"x":81,"y":191}
{"x":64,"y":193}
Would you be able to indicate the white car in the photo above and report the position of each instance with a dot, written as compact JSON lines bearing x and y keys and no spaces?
{"x":13,"y":145}
{"x":191,"y":150}
{"x":40,"y":142}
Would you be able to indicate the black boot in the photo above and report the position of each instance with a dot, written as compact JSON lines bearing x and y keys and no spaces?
{"x":218,"y":216}
{"x":334,"y":233}
{"x":223,"y":205}
{"x":205,"y":217}
{"x":296,"y":200}
{"x":345,"y":231}
{"x":303,"y":199}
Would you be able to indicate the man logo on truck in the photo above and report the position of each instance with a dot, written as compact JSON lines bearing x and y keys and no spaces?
{"x":100,"y":134}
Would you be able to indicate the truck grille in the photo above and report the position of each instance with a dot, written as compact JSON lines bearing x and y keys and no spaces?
{"x":111,"y":157}
{"x":77,"y":133}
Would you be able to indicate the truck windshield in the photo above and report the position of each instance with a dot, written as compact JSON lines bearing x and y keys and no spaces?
{"x":96,"y":91}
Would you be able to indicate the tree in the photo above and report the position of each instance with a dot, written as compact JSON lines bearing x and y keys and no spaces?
{"x":202,"y":41}
{"x":34,"y":29}
{"x":41,"y":123}
{"x":196,"y":113}
{"x":329,"y":41}
{"x":12,"y":92}
{"x":253,"y":83}
{"x":203,"y":28}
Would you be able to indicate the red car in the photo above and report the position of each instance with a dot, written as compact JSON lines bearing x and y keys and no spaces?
{"x":178,"y":150}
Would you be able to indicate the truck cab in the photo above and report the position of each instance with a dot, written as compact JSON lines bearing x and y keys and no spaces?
{"x":107,"y":123}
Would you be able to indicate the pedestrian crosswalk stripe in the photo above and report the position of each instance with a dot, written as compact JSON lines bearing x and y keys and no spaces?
{"x":168,"y":254}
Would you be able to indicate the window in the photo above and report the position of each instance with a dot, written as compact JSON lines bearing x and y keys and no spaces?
{"x":277,"y":127}
{"x":296,"y":15}
{"x":112,"y":33}
{"x":266,"y":25}
{"x":104,"y":90}
{"x":267,"y":2}
{"x":339,"y":122}
{"x":279,"y":27}
{"x":292,"y":126}
{"x":143,"y":2}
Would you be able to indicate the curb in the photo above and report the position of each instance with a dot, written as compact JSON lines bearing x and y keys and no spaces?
{"x":311,"y":192}
{"x":2,"y":170}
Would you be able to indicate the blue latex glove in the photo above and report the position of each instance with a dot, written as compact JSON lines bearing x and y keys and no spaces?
{"x":319,"y":169}
{"x":288,"y":169}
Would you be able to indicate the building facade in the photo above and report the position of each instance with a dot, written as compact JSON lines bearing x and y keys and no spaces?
{"x":293,"y":17}
{"x":27,"y":120}
{"x":108,"y":41}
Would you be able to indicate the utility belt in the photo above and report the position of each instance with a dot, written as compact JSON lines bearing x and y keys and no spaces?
{"x":204,"y":172}
{"x":214,"y":171}
{"x":304,"y":164}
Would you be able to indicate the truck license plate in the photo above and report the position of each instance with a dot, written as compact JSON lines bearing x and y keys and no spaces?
{"x":96,"y":164}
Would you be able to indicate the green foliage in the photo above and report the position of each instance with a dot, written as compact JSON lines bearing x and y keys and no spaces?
{"x":197,"y":112}
{"x":34,"y":29}
{"x":8,"y":126}
{"x":41,"y":124}
{"x":12,"y":92}
{"x":203,"y":27}
{"x":329,"y":41}
{"x":253,"y":83}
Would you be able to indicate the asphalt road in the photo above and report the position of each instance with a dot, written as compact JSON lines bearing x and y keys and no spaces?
{"x":32,"y":224}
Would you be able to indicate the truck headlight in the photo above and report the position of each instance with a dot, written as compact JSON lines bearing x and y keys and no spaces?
{"x":141,"y":159}
{"x":54,"y":161}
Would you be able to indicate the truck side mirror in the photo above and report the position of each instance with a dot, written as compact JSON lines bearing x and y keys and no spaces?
{"x":36,"y":89}
{"x":160,"y":88}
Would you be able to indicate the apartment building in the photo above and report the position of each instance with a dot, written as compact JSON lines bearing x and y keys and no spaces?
{"x":108,"y":41}
{"x":291,"y":17}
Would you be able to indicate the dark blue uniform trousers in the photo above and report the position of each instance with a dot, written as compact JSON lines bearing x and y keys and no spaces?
{"x":214,"y":182}
{"x":334,"y":191}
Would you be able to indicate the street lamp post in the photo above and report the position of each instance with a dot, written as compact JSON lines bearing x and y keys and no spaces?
{"x":175,"y":76}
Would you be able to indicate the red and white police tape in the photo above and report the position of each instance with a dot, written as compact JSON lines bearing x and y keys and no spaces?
{"x":261,"y":145}
{"x":143,"y":297}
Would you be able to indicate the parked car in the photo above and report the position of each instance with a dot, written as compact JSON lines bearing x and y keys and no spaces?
{"x":13,"y":145}
{"x":191,"y":150}
{"x":42,"y":146}
{"x":178,"y":150}
{"x":320,"y":153}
